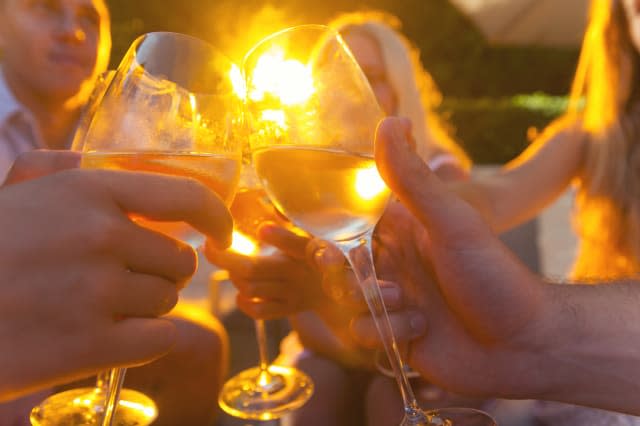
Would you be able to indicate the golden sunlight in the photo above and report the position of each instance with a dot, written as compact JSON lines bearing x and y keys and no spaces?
{"x":149,"y":412}
{"x":287,"y":79}
{"x":237,"y":81}
{"x":242,"y":244}
{"x":276,"y":116}
{"x":369,"y":184}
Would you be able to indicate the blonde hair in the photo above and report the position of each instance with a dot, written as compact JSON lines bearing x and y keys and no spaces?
{"x":605,"y":95}
{"x":415,"y":90}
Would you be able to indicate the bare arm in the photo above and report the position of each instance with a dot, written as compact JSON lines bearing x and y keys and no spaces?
{"x":592,"y":356}
{"x":495,"y":328}
{"x":531,"y":181}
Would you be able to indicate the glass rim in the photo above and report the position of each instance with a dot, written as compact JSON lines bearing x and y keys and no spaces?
{"x":212,"y":51}
{"x":138,"y":40}
{"x":322,"y":27}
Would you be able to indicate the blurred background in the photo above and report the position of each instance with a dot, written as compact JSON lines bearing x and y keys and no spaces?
{"x":503,"y":66}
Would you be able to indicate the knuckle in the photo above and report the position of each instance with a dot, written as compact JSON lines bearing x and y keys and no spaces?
{"x":105,"y":231}
{"x":98,"y":291}
{"x":198,"y":194}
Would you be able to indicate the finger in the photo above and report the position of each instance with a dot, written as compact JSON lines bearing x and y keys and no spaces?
{"x":264,"y":309}
{"x":150,"y":252}
{"x":290,"y":243}
{"x":351,"y":296}
{"x":469,"y":261}
{"x":407,"y":325}
{"x":38,"y":163}
{"x":143,"y":296}
{"x":392,"y":295}
{"x":136,"y":341}
{"x":277,"y":291}
{"x":272,"y":267}
{"x":170,"y":198}
{"x":450,"y":220}
{"x":226,"y":259}
{"x":325,"y":256}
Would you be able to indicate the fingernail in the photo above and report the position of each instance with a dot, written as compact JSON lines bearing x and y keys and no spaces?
{"x":418,"y":323}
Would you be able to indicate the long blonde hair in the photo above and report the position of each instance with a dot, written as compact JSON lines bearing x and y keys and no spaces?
{"x":415,"y":90}
{"x":605,"y":94}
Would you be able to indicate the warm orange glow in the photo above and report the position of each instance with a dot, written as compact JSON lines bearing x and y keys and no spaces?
{"x":369,"y":184}
{"x":276,"y":116}
{"x":237,"y":81}
{"x":242,"y":244}
{"x":150,"y":412}
{"x":289,"y":80}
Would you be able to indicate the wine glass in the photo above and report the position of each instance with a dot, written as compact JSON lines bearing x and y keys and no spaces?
{"x":170,"y":108}
{"x":267,"y":391}
{"x":89,"y":404}
{"x":313,"y":117}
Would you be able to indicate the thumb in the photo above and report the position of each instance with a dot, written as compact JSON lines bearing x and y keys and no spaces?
{"x":136,"y":341}
{"x":449,"y":219}
{"x":479,"y":278}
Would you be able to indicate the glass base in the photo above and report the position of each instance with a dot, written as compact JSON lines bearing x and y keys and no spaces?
{"x":454,"y":417}
{"x":85,"y":406}
{"x":245,"y":397}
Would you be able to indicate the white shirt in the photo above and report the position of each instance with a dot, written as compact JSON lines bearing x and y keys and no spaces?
{"x":18,"y":129}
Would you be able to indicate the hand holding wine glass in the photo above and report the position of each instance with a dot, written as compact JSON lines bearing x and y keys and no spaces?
{"x":169,"y":109}
{"x":312,"y":148}
{"x":267,"y":391}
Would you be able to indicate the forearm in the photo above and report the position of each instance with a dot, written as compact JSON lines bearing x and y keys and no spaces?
{"x":592,"y":355}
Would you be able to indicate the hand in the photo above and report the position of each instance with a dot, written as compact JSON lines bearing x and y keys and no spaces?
{"x":83,"y":285}
{"x":484,"y":310}
{"x":272,"y":286}
{"x":41,"y":162}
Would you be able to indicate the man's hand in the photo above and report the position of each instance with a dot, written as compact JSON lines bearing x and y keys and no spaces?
{"x":82,"y":285}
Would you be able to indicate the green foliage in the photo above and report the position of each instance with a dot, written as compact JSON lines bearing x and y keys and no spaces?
{"x":497,"y":130}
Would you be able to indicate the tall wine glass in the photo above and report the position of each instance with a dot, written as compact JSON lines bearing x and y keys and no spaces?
{"x":89,"y":403}
{"x":313,"y":117}
{"x":266,"y":391}
{"x":170,"y":108}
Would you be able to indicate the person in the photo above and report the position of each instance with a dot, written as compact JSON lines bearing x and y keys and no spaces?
{"x":488,"y":326}
{"x":596,"y":145}
{"x":91,"y":289}
{"x":401,"y":86}
{"x":52,"y":53}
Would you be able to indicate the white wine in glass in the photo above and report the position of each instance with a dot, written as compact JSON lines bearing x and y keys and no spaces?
{"x":170,"y":108}
{"x":312,"y":118}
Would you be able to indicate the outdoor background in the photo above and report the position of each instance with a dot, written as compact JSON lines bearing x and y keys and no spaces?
{"x":493,"y":95}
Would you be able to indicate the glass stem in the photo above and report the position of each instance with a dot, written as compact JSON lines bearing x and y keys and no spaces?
{"x":266,"y":381}
{"x":116,"y":378}
{"x":102,"y":381}
{"x":358,"y":252}
{"x":261,"y":336}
